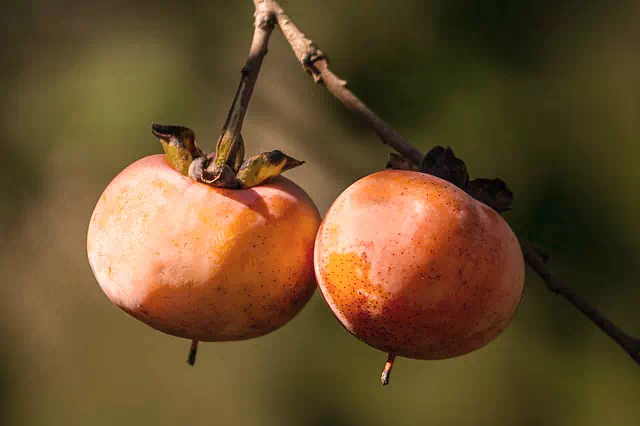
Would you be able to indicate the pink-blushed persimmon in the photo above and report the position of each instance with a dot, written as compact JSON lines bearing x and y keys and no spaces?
{"x":414,"y":266}
{"x":202,"y":262}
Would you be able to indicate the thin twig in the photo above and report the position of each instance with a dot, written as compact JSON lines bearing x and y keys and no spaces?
{"x":263,"y":27}
{"x":537,"y":262}
{"x":315,"y":62}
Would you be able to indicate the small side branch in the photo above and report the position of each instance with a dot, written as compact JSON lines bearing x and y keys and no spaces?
{"x":537,"y":262}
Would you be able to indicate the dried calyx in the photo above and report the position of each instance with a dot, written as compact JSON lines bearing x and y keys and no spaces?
{"x":442,"y":162}
{"x":226,"y":166}
{"x":179,"y":145}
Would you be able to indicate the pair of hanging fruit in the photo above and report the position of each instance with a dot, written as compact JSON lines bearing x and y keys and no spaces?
{"x":219,"y":248}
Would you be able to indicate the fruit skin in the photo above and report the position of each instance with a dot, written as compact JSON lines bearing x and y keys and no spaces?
{"x":200,"y":262}
{"x":411,"y":264}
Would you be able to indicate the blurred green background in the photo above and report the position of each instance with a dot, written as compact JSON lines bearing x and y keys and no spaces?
{"x":544,"y":94}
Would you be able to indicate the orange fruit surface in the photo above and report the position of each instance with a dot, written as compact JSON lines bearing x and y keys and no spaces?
{"x":201,"y":262}
{"x":411,"y":264}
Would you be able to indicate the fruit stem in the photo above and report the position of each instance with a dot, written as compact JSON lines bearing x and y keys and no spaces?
{"x":191,"y":360}
{"x":230,"y":139}
{"x":386,"y":373}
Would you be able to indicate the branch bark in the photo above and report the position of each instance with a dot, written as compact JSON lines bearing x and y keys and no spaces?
{"x":263,"y":27}
{"x":315,"y":62}
{"x":538,"y":263}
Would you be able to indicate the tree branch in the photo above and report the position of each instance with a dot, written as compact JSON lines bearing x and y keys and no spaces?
{"x":537,"y":262}
{"x":315,"y":62}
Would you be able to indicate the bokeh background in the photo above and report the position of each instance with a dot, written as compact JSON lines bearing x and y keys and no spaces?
{"x":544,"y":94}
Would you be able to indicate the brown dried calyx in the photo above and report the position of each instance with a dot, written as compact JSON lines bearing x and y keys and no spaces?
{"x":443,"y":163}
{"x":226,"y":166}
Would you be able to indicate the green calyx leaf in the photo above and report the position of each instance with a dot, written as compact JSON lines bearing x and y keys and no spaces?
{"x":179,"y":145}
{"x":263,"y":168}
{"x":225,"y":167}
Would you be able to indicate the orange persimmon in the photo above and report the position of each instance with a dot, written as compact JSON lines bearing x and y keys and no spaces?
{"x":201,"y":262}
{"x":414,"y":266}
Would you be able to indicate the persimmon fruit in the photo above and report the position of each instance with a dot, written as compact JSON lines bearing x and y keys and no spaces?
{"x":203,"y":262}
{"x":413,"y":266}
